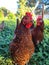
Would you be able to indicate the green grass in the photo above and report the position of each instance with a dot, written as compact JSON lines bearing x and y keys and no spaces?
{"x":6,"y":36}
{"x":41,"y":55}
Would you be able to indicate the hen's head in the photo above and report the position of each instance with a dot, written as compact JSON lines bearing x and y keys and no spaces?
{"x":27,"y":20}
{"x":39,"y":20}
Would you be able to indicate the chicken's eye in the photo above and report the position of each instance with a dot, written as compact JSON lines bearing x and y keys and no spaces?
{"x":26,"y":18}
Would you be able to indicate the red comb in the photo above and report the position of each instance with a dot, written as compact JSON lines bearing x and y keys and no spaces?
{"x":39,"y":17}
{"x":29,"y":15}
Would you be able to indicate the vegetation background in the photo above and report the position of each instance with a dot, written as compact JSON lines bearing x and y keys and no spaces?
{"x":41,"y":55}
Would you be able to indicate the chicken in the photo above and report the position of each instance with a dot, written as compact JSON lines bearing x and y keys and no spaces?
{"x":2,"y":26}
{"x":22,"y":46}
{"x":37,"y":32}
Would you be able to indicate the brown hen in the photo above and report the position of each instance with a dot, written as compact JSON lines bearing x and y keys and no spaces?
{"x":22,"y":46}
{"x":37,"y":32}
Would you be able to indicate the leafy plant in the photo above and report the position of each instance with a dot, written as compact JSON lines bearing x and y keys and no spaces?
{"x":41,"y":55}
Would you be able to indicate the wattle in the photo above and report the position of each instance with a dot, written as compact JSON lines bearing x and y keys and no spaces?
{"x":28,"y":25}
